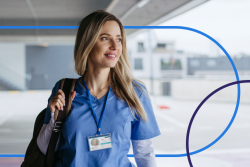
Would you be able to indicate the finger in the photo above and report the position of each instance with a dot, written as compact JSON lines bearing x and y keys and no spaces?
{"x":58,"y":96}
{"x":58,"y":104}
{"x":56,"y":99}
{"x":61,"y":98}
{"x":60,"y":92}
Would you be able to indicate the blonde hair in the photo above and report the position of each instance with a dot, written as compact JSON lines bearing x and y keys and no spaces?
{"x":96,"y":142}
{"x":121,"y":75}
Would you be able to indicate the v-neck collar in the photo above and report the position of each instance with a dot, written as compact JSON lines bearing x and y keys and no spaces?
{"x":82,"y":90}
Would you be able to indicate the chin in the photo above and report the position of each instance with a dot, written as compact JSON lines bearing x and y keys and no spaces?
{"x":111,"y":65}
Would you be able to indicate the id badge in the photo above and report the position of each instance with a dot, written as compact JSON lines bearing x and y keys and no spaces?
{"x":99,"y":142}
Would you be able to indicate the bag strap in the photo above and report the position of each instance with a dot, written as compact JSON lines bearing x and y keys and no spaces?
{"x":67,"y":86}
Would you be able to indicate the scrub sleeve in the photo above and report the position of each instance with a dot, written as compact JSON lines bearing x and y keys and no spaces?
{"x":145,"y":130}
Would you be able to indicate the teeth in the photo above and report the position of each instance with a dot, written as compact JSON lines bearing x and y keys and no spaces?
{"x":111,"y":55}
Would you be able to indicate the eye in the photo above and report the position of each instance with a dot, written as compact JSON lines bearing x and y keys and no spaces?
{"x":119,"y":39}
{"x":104,"y":38}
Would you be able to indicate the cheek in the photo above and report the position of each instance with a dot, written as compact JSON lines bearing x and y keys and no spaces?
{"x":99,"y":48}
{"x":96,"y":53}
{"x":120,"y":54}
{"x":120,"y":50}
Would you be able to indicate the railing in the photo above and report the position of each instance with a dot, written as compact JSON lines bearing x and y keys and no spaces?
{"x":13,"y":77}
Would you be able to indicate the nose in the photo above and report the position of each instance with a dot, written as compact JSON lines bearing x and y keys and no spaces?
{"x":113,"y":45}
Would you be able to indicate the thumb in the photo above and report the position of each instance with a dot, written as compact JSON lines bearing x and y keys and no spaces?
{"x":73,"y":95}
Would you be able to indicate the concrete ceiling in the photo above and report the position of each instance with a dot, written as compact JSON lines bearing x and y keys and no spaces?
{"x":70,"y":13}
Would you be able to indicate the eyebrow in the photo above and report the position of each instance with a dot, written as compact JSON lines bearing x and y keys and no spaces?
{"x":109,"y":34}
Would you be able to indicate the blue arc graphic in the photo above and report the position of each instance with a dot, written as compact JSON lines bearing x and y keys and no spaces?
{"x":153,"y":27}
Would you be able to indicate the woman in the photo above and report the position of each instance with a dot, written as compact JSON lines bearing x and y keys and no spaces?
{"x":107,"y":91}
{"x":95,"y":142}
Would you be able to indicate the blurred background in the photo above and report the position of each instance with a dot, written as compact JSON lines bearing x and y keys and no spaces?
{"x":179,"y":68}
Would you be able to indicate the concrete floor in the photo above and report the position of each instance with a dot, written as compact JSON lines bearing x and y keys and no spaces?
{"x":19,"y":110}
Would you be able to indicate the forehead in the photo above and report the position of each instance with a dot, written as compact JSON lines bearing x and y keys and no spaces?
{"x":111,"y":27}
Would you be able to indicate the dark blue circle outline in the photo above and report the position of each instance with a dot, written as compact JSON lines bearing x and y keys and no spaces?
{"x":197,"y":109}
{"x":152,"y":27}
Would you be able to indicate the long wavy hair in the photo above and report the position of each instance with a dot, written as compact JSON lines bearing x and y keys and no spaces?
{"x":121,"y":75}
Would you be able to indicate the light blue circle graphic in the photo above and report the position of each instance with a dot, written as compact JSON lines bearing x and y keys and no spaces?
{"x":235,"y":71}
{"x":152,"y":27}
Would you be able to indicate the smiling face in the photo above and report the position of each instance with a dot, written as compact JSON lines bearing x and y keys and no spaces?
{"x":95,"y":142}
{"x":108,"y":47}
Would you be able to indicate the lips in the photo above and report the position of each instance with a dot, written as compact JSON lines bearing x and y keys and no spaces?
{"x":110,"y":56}
{"x":111,"y":53}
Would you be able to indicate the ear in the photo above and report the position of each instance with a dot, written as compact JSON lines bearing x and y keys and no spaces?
{"x":73,"y":95}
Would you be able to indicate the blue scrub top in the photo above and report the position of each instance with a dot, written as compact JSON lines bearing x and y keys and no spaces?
{"x":117,"y":120}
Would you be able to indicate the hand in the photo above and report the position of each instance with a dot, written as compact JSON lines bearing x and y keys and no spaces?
{"x":57,"y":102}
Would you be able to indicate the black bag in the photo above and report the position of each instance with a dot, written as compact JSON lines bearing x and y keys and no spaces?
{"x":33,"y":156}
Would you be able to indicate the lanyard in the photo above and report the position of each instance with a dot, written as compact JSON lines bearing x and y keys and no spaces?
{"x":93,"y":111}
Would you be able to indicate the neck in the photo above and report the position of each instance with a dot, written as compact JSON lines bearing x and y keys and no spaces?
{"x":96,"y":79}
